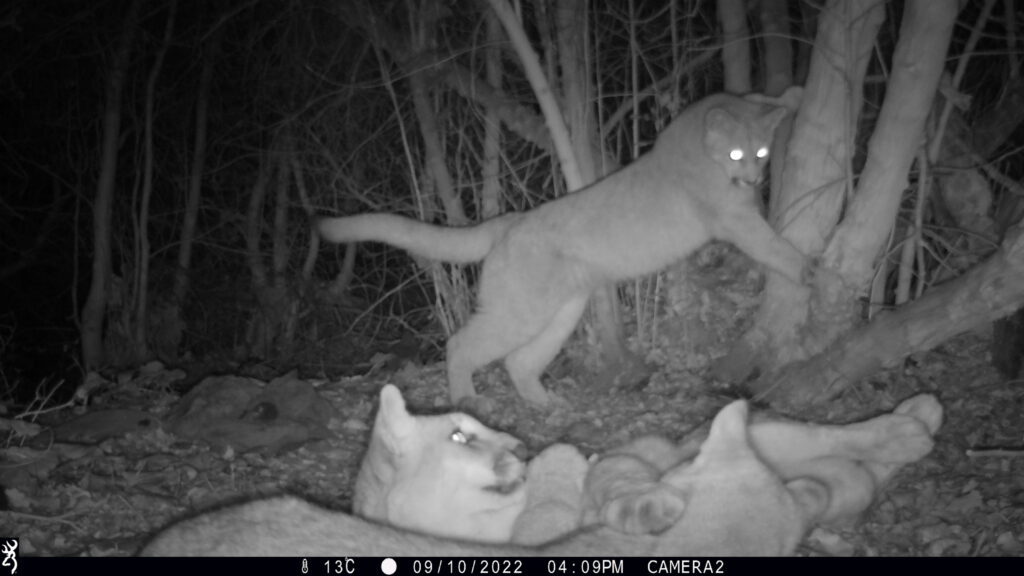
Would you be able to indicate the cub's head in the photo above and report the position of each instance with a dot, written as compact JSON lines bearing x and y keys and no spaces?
{"x":738,"y":137}
{"x":731,"y":503}
{"x":446,"y":475}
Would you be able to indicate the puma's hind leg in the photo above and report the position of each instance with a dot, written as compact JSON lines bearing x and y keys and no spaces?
{"x":528,"y":337}
{"x":530,"y":301}
{"x":479,"y":342}
{"x":892,"y":438}
{"x":855,"y":460}
{"x":526,"y":364}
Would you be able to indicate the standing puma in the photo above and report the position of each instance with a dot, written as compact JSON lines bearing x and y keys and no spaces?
{"x":698,"y":182}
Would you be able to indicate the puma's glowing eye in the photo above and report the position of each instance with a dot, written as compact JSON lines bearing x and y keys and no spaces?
{"x":459,"y":437}
{"x":762,"y":152}
{"x":735,"y":154}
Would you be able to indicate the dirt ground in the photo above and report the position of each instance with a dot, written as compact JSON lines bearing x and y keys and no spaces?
{"x":102,"y":499}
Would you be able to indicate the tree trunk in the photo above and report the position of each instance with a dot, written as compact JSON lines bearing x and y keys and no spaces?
{"x":542,"y":89}
{"x":732,"y":14}
{"x":423,"y":42}
{"x":989,"y":291}
{"x":815,"y":179}
{"x":455,"y":215}
{"x":140,"y":337}
{"x":778,"y":47}
{"x":257,"y":339}
{"x":280,"y":305}
{"x":195,"y":180}
{"x":917,"y":66}
{"x":95,"y":304}
{"x":850,"y":256}
{"x":490,"y":170}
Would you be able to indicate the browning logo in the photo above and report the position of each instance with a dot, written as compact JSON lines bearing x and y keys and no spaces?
{"x":9,"y":550}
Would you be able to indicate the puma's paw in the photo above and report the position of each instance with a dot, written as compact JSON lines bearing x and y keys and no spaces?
{"x":899,"y":438}
{"x":925,"y":408}
{"x":548,"y":401}
{"x":650,"y":509}
{"x":537,"y":396}
{"x":477,"y":405}
{"x":907,"y":434}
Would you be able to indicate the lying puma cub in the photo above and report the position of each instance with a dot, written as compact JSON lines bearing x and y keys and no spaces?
{"x":419,"y":473}
{"x":724,"y":502}
{"x":696,"y":184}
{"x":421,"y":470}
{"x":852,"y":461}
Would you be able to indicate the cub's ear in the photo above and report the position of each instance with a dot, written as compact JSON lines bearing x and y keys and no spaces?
{"x":790,"y":99}
{"x":393,"y":420}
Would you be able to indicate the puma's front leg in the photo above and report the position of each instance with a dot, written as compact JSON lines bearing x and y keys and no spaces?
{"x":751,"y":234}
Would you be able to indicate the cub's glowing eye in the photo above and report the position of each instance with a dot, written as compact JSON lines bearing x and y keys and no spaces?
{"x":762,"y":152}
{"x":459,"y":437}
{"x":736,"y":154}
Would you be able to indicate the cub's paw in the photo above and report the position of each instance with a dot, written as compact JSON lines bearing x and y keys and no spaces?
{"x":651,"y":509}
{"x":925,"y":408}
{"x":906,"y":435}
{"x":479,"y":406}
{"x":539,"y":398}
{"x":897,"y":439}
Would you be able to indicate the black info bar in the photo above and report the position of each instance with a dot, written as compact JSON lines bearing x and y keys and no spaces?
{"x":560,"y":566}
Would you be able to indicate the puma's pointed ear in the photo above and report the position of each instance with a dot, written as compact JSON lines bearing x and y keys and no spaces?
{"x":392,"y":417}
{"x":790,"y":99}
{"x":727,"y":440}
{"x":718,"y":120}
{"x":772,"y":119}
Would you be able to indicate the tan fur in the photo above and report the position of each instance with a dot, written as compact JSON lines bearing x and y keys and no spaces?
{"x":850,"y":461}
{"x":541,"y":266}
{"x":554,"y":495}
{"x":448,"y":474}
{"x":734,"y":506}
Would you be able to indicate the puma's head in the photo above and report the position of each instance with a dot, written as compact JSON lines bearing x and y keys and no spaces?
{"x":731,"y":503}
{"x":739,"y":139}
{"x":447,"y":474}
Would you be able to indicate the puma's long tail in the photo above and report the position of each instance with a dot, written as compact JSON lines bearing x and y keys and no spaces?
{"x":448,"y":244}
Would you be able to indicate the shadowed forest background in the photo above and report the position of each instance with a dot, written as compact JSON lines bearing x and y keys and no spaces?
{"x":161,"y":162}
